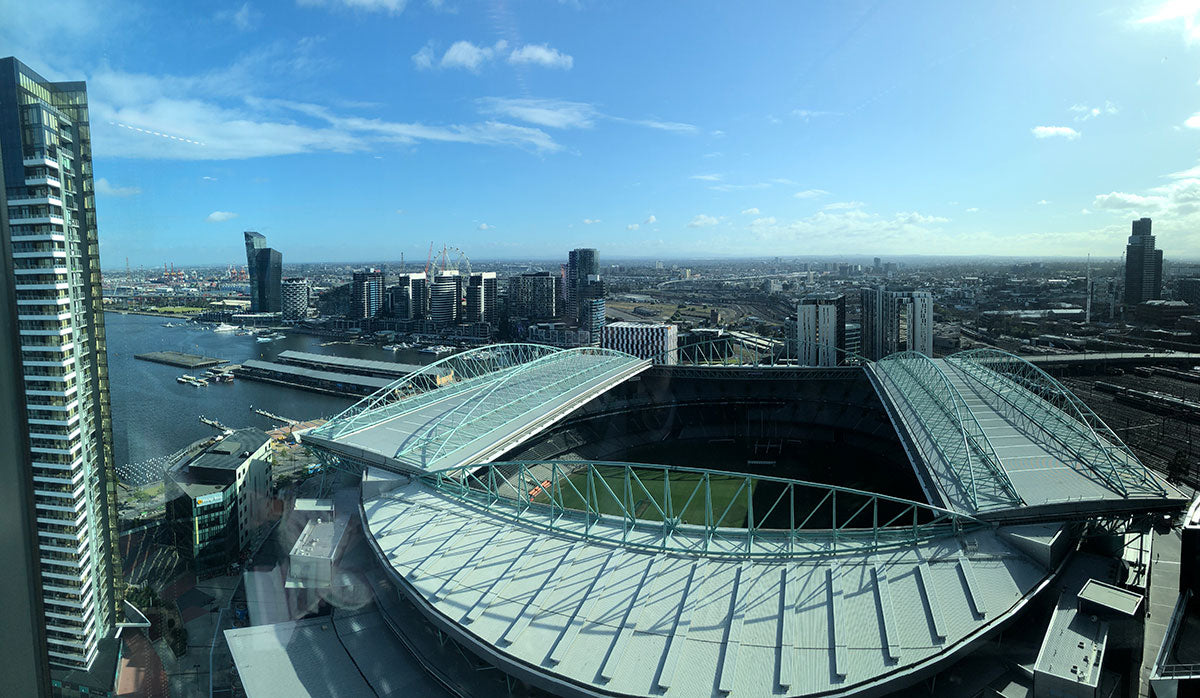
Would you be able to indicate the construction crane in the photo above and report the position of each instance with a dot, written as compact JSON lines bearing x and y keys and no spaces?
{"x":429,"y":259}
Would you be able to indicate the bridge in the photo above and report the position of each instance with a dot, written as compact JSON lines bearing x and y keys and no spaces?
{"x":1120,"y":358}
{"x":993,"y":434}
{"x":490,"y":400}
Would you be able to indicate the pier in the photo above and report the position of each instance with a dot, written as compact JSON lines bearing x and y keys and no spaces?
{"x":180,"y":359}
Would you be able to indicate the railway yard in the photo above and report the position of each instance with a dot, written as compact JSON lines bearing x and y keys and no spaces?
{"x":1155,"y":410}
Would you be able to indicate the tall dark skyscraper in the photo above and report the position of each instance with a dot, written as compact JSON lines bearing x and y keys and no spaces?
{"x":60,"y":577}
{"x":1143,"y":265}
{"x":581,"y":263}
{"x":481,"y":297}
{"x":265,"y":266}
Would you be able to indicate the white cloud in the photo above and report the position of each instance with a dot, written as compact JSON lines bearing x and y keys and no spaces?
{"x":590,"y":221}
{"x":750,"y":212}
{"x":1083,"y":112}
{"x":209,"y":117}
{"x":1185,"y":12}
{"x":973,"y":209}
{"x":632,"y":226}
{"x":469,"y":56}
{"x":105,"y":189}
{"x":220,"y":216}
{"x":650,"y":220}
{"x":558,"y":113}
{"x":707,"y":177}
{"x":389,"y":6}
{"x":1121,"y":201}
{"x":1055,"y":132}
{"x":672,"y":126}
{"x":541,"y":54}
{"x":769,"y":220}
{"x":703,"y":220}
{"x":914,"y":218}
{"x":485,"y":226}
{"x":740,"y":187}
{"x":206,"y":178}
{"x":1193,"y":121}
{"x":244,"y":18}
{"x":464,"y":54}
{"x":552,"y":113}
{"x":810,"y":193}
{"x":424,"y":58}
{"x":808,"y":114}
{"x":1043,"y":202}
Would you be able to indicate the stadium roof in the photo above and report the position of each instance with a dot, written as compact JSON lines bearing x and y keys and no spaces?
{"x":994,"y":435}
{"x":487,"y":409}
{"x":607,"y":618}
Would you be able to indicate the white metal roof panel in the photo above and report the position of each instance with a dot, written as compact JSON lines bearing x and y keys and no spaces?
{"x":642,"y":623}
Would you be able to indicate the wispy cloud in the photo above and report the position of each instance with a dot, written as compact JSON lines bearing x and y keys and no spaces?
{"x":703,"y":220}
{"x":389,"y":6}
{"x":809,"y":114}
{"x":1193,"y":121}
{"x":632,"y":226}
{"x":750,"y":212}
{"x":105,"y":189}
{"x":1055,"y":132}
{"x":843,"y":205}
{"x":769,"y":220}
{"x":485,"y":226}
{"x":220,"y":216}
{"x":650,"y":220}
{"x":209,"y":117}
{"x":973,"y":209}
{"x":1182,"y":12}
{"x":244,"y":18}
{"x":1043,"y":202}
{"x":708,"y":177}
{"x":591,"y":221}
{"x":551,"y":113}
{"x":810,"y":194}
{"x":559,"y":113}
{"x":1083,"y":112}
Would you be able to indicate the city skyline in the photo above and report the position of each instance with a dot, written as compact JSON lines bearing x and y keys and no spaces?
{"x":854,"y":138}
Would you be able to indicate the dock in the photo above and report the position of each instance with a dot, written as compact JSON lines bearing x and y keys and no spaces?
{"x":180,"y":359}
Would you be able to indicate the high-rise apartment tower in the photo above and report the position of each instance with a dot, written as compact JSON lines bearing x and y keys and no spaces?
{"x":821,"y":330}
{"x":60,"y":577}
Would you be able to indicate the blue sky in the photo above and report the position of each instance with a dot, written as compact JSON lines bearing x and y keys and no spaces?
{"x":350,"y":130}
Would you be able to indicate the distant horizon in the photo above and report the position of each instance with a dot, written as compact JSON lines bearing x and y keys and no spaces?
{"x":605,"y":261}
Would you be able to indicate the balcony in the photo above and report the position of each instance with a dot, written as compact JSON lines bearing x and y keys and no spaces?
{"x":39,"y":160}
{"x":37,"y":220}
{"x":46,"y":179}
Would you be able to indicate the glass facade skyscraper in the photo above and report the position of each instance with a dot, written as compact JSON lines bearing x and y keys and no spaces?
{"x":61,"y":571}
{"x":1143,"y":265}
{"x":265,"y":266}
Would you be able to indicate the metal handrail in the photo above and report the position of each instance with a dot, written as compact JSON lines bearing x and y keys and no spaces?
{"x":580,"y":499}
{"x":1002,"y":365}
{"x":974,"y":438}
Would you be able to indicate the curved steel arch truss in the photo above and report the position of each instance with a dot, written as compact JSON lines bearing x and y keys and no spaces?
{"x":1061,"y":415}
{"x":434,"y":381}
{"x":955,"y":434}
{"x":734,"y":351}
{"x":696,"y":511}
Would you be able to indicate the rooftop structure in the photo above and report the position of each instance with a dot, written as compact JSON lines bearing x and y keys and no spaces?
{"x":589,"y":577}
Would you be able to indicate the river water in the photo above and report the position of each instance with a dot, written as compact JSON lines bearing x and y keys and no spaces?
{"x":154,"y":415}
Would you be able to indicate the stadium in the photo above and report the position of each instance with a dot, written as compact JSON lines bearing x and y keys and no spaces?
{"x":722,"y":522}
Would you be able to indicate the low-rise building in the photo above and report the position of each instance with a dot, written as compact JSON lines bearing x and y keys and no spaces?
{"x":218,"y":499}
